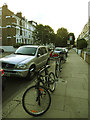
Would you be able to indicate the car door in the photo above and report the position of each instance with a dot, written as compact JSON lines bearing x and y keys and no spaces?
{"x":39,"y":59}
{"x":44,"y":56}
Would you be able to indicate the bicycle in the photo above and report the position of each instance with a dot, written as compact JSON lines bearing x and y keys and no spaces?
{"x":36,"y":99}
{"x":57,"y":65}
{"x":48,"y":80}
{"x":63,"y":57}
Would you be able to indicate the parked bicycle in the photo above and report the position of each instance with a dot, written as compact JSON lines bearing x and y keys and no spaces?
{"x":36,"y":99}
{"x":48,"y":80}
{"x":58,"y":66}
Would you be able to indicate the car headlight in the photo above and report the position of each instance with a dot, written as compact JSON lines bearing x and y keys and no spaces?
{"x":21,"y":66}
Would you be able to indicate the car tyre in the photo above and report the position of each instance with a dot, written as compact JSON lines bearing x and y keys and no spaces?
{"x":31,"y":73}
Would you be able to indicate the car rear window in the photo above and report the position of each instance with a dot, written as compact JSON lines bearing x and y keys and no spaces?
{"x":58,"y":49}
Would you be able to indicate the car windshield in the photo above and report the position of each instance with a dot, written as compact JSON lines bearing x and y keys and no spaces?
{"x":58,"y":49}
{"x":26,"y":51}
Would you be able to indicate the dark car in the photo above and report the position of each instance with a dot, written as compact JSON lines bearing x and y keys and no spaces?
{"x":1,"y":50}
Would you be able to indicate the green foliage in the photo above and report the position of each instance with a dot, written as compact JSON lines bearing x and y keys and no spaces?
{"x":62,"y":37}
{"x":18,"y":45}
{"x":44,"y":34}
{"x":81,"y":44}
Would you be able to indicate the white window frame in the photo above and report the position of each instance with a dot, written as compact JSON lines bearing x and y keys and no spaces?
{"x":8,"y":26}
{"x":8,"y":16}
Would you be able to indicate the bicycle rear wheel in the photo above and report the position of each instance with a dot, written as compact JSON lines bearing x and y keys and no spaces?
{"x":60,"y":66}
{"x":36,"y":104}
{"x":52,"y":83}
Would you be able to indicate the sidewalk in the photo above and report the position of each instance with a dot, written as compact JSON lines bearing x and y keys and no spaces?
{"x":70,"y":99}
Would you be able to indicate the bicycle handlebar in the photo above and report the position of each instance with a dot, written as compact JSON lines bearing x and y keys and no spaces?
{"x":43,"y":69}
{"x":40,"y":70}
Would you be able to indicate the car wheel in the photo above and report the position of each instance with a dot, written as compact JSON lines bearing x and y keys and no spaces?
{"x":31,"y":72}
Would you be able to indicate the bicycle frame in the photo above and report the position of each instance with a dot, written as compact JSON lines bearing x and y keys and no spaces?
{"x":40,"y":80}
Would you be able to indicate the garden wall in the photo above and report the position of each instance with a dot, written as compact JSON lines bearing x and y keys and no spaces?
{"x":85,"y":55}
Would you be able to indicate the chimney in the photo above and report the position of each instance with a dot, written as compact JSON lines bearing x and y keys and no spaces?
{"x":5,"y":5}
{"x":19,"y":14}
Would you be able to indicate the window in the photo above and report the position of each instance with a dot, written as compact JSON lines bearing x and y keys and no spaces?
{"x":9,"y":37}
{"x":44,"y":50}
{"x":40,"y":51}
{"x":8,"y":16}
{"x":8,"y":26}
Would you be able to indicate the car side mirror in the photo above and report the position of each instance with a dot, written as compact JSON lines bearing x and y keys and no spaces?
{"x":38,"y":55}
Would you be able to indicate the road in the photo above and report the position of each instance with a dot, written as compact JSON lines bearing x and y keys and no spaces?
{"x":12,"y":87}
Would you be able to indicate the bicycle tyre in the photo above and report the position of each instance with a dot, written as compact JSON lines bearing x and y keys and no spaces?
{"x":52,"y":83}
{"x":29,"y":101}
{"x":57,"y":70}
{"x":60,"y":66}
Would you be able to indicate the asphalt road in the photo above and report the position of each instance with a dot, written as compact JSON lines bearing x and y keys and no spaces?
{"x":12,"y":87}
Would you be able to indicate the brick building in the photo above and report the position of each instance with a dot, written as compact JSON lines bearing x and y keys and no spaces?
{"x":14,"y":28}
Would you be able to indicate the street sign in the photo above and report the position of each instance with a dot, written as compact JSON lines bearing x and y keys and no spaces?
{"x":70,"y":38}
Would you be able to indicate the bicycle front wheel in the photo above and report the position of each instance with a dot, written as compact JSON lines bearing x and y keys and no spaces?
{"x":36,"y":104}
{"x":52,"y":83}
{"x":57,"y":69}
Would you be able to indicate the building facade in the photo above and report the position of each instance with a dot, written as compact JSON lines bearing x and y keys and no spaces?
{"x":15,"y":28}
{"x":85,"y":32}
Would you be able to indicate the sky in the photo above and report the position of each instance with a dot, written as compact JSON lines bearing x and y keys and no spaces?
{"x":70,"y":14}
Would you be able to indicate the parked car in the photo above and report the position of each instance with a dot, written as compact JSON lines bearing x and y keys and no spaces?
{"x":24,"y":59}
{"x":65,"y":51}
{"x":56,"y":52}
{"x":59,"y":51}
{"x":1,"y":50}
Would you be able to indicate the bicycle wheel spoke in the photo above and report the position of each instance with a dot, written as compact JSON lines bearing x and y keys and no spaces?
{"x":57,"y":70}
{"x":36,"y":104}
{"x":52,"y":83}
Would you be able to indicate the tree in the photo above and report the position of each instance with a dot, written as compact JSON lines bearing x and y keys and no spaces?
{"x":38,"y":33}
{"x":44,"y":34}
{"x":72,"y":41}
{"x":62,"y":37}
{"x":81,"y":43}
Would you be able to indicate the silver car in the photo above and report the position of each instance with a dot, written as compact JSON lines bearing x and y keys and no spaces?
{"x":24,"y":59}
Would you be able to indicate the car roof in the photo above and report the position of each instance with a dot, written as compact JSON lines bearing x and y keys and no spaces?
{"x":37,"y":46}
{"x":59,"y":47}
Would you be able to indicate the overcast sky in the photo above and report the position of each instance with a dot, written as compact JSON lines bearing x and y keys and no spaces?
{"x":70,"y":14}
